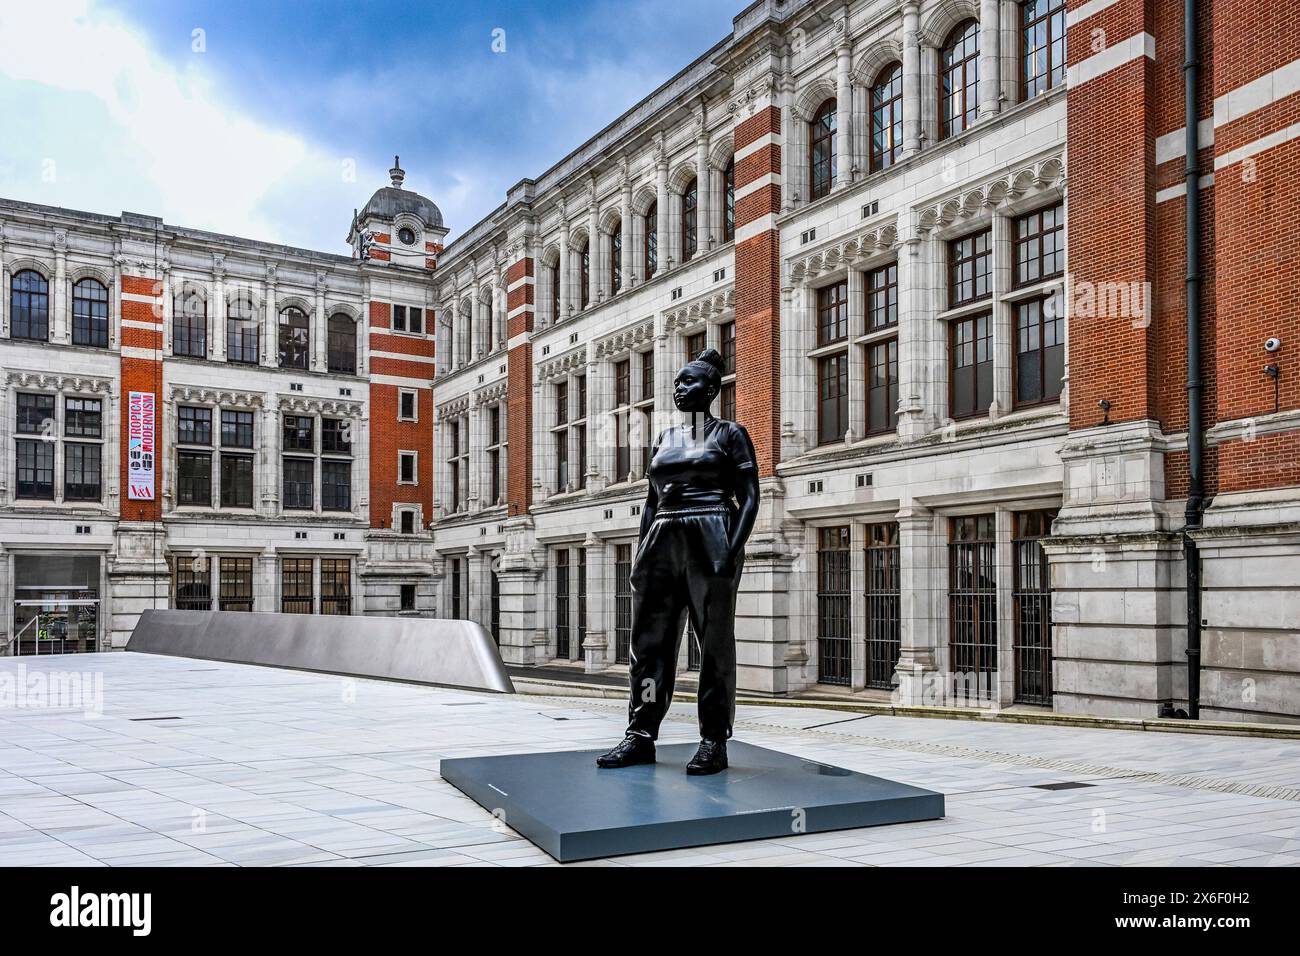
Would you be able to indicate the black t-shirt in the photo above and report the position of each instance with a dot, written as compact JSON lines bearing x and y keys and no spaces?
{"x":704,"y":470}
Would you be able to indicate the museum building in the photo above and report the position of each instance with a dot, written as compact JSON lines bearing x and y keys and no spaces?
{"x":967,"y":382}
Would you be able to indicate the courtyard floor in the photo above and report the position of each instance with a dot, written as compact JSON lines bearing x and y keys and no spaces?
{"x":194,"y":763}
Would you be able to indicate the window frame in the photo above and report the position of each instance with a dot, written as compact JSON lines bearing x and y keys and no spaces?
{"x":888,"y":80}
{"x":90,"y":313}
{"x":954,"y":124}
{"x":823,"y":129}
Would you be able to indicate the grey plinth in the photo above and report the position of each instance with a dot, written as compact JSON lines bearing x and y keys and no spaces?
{"x":574,"y":811}
{"x":418,"y":650}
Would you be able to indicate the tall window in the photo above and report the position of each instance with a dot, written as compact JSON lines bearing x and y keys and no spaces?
{"x":236,"y":475}
{"x":832,"y":369}
{"x":727,"y":336}
{"x":622,"y":602}
{"x":579,"y":427}
{"x":690,"y":215}
{"x":882,"y":297}
{"x":457,"y":463}
{"x":193,"y":584}
{"x":29,"y":306}
{"x":882,"y":386}
{"x":194,"y":456}
{"x":585,"y":284}
{"x":554,"y":272}
{"x":821,"y":151}
{"x":562,"y":609}
{"x":35,"y":454}
{"x":643,"y":414}
{"x":335,"y":464}
{"x":970,"y":266}
{"x":342,"y":344}
{"x":973,"y":602}
{"x":561,"y":437}
{"x":1040,"y":245}
{"x":694,"y":345}
{"x":295,"y":339}
{"x":335,"y":586}
{"x":189,"y":323}
{"x":834,"y":599}
{"x":90,"y":313}
{"x":616,"y":259}
{"x":1032,"y":615}
{"x":295,"y":586}
{"x":82,"y":460}
{"x":887,"y":117}
{"x":883,"y":597}
{"x":622,"y":420}
{"x":959,"y":80}
{"x":970,"y":366}
{"x":236,"y":584}
{"x":496,"y":452}
{"x":652,"y":240}
{"x":729,"y":201}
{"x":299,"y":471}
{"x":241,"y":330}
{"x":1042,"y":45}
{"x":1040,"y":322}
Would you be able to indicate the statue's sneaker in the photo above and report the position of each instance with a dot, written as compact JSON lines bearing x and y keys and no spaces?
{"x":634,"y":749}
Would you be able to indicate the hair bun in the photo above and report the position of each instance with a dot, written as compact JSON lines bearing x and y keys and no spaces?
{"x":712,"y":357}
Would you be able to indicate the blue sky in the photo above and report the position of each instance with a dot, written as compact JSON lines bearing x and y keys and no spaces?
{"x":274,"y":119}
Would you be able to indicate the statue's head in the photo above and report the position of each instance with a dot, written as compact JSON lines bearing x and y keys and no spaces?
{"x":699,"y":382}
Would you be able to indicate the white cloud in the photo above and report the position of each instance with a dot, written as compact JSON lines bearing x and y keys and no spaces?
{"x":125,"y":129}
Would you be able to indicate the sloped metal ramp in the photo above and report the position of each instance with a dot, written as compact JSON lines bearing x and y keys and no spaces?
{"x":417,"y":650}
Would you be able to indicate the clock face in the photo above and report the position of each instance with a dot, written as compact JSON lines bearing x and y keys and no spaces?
{"x":406,"y":235}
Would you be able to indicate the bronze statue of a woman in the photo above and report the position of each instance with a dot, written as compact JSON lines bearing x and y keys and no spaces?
{"x":698,"y":514}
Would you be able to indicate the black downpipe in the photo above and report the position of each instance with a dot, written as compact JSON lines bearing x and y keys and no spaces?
{"x":1195,"y":486}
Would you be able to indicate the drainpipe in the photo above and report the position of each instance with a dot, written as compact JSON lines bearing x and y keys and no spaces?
{"x":1195,"y":486}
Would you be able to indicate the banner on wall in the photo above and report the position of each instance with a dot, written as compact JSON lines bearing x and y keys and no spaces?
{"x":140,"y":449}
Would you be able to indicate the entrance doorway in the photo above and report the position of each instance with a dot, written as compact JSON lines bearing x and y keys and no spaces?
{"x":56,"y":604}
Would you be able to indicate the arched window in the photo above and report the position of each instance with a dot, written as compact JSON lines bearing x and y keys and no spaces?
{"x":616,"y":259}
{"x":690,"y":212}
{"x":29,"y":306}
{"x":189,"y":322}
{"x":341,"y":343}
{"x":887,"y":117}
{"x":652,"y":240}
{"x":241,"y":330}
{"x":1042,"y":45}
{"x":821,"y":151}
{"x":555,"y":291}
{"x":295,"y":339}
{"x":586,"y":273}
{"x":729,"y":201}
{"x":90,"y":313}
{"x":959,"y":78}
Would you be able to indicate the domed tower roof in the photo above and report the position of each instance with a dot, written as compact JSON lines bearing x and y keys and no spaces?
{"x":391,"y":201}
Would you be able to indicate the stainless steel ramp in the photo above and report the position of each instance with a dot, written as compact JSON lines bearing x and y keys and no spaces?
{"x":414,"y":649}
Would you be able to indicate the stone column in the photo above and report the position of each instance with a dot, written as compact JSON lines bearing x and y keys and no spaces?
{"x":115,"y":296}
{"x":114,"y":306}
{"x":270,"y":355}
{"x":269,"y":458}
{"x":476,"y":565}
{"x":662,"y":214}
{"x":844,"y":110}
{"x":266,"y":591}
{"x":628,"y":264}
{"x":600,"y":605}
{"x":517,"y":576}
{"x":911,"y":77}
{"x":320,"y":328}
{"x":216,"y":314}
{"x":703,"y":201}
{"x":475,"y":490}
{"x":922,"y":585}
{"x":61,"y":324}
{"x":599,"y":432}
{"x":594,"y":270}
{"x":858,"y":371}
{"x":565,"y":266}
{"x":990,"y":62}
{"x":1004,"y":342}
{"x":922,"y":349}
{"x":798,"y":375}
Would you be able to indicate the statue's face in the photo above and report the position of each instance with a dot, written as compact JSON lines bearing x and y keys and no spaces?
{"x":692,"y":390}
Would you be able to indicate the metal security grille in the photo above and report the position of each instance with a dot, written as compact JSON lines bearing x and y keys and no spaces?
{"x":692,"y":648}
{"x":236,"y":584}
{"x":833,"y":605}
{"x":495,"y":608}
{"x":1033,"y":609}
{"x":193,"y":584}
{"x":881,"y":559}
{"x":622,"y":602}
{"x":582,"y":599}
{"x":973,"y":601}
{"x":295,"y":586}
{"x":335,"y":586}
{"x":562,"y":644}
